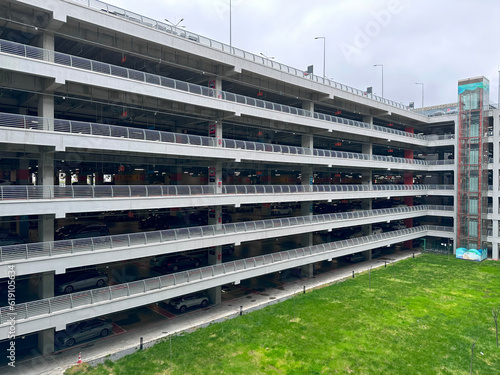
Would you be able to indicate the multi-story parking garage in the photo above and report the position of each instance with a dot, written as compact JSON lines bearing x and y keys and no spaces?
{"x":125,"y":141}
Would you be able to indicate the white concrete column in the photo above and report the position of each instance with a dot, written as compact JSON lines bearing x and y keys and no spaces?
{"x":308,"y":105}
{"x":307,"y":141}
{"x":215,"y":257}
{"x":366,"y":179}
{"x":23,"y":178}
{"x":366,"y":175}
{"x":46,"y":290}
{"x":46,"y":285}
{"x":46,"y":110}
{"x":46,"y":42}
{"x":46,"y":341}
{"x":306,"y":208}
{"x":46,"y":100}
{"x":368,"y":119}
{"x":46,"y":178}
{"x":215,"y":218}
{"x":46,"y":169}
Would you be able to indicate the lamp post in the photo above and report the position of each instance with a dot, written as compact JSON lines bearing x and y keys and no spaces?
{"x":382,"y":66}
{"x":324,"y":54}
{"x":230,"y":28}
{"x":420,"y":83}
{"x":175,"y":25}
{"x":267,"y":57}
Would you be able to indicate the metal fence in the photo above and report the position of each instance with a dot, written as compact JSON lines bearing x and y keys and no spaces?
{"x":118,"y":71}
{"x":32,"y":192}
{"x":161,"y":26}
{"x":12,"y":253}
{"x":89,"y":297}
{"x":89,"y":128}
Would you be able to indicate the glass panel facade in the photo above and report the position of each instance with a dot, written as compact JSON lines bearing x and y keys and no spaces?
{"x":472,"y":153}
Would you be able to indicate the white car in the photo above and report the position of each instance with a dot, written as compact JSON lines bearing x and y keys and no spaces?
{"x":281,"y":210}
{"x":185,"y":302}
{"x":377,"y":230}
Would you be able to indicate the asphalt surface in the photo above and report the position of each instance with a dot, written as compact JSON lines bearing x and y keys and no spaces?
{"x":120,"y":344}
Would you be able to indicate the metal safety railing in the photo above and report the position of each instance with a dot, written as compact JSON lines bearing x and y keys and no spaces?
{"x":12,"y":253}
{"x":89,"y":297}
{"x":118,"y":71}
{"x":32,"y":192}
{"x":172,"y":30}
{"x":89,"y":128}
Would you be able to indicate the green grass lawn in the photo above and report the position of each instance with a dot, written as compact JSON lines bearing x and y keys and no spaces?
{"x":420,"y":317}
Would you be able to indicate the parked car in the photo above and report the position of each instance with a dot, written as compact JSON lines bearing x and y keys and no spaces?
{"x":398,"y":226}
{"x":75,"y":231}
{"x":161,"y":221}
{"x":174,"y":263}
{"x":83,"y":330}
{"x":7,"y":239}
{"x":355,"y":258}
{"x":185,"y":302}
{"x":377,"y":230}
{"x":116,"y":216}
{"x":198,"y":218}
{"x":376,"y":253}
{"x":281,"y":210}
{"x":227,"y":249}
{"x":78,"y":280}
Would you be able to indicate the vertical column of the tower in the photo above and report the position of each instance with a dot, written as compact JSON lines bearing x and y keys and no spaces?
{"x":215,"y":180}
{"x":472,"y":187}
{"x":306,"y":207}
{"x":366,"y":179}
{"x":408,"y":181}
{"x":46,"y":179}
{"x":307,"y":182}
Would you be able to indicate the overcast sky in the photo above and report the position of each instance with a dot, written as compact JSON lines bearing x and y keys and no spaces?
{"x":433,"y":42}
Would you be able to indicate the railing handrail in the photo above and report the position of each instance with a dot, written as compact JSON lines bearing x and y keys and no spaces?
{"x":172,"y":30}
{"x":39,"y":192}
{"x":90,"y":128}
{"x":87,"y":298}
{"x":37,"y":53}
{"x":34,"y":250}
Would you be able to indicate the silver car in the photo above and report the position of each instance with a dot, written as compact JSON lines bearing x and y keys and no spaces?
{"x":84,"y":330}
{"x":281,"y":210}
{"x":185,"y":302}
{"x":67,"y":283}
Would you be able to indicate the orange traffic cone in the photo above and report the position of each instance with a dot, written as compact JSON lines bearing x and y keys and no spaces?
{"x":79,"y":358}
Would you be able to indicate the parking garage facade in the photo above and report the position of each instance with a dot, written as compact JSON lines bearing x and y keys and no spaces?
{"x":139,"y":164}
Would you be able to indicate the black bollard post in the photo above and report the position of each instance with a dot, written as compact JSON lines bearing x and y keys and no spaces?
{"x":353,"y":274}
{"x":385,"y":264}
{"x":241,"y":310}
{"x":141,"y":344}
{"x":413,"y":255}
{"x":304,"y":289}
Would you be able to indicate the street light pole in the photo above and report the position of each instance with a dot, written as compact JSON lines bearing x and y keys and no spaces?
{"x":230,"y":28}
{"x":175,"y":25}
{"x":420,"y":83}
{"x":324,"y":54}
{"x":382,"y":66}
